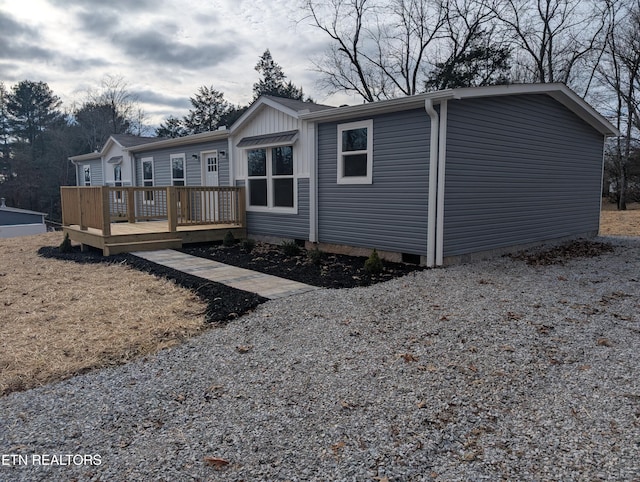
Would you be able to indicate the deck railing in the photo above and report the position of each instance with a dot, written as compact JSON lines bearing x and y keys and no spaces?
{"x":98,"y":207}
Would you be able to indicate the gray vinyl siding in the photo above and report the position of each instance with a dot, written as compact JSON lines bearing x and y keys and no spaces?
{"x":97,"y":176}
{"x":162,"y":164}
{"x":391,"y":213}
{"x":519,"y":169}
{"x":293,"y":226}
{"x":8,"y":218}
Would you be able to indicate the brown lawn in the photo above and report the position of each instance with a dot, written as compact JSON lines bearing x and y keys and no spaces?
{"x":61,"y":318}
{"x":620,"y":223}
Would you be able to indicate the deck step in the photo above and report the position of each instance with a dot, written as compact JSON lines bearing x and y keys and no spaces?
{"x":117,"y":248}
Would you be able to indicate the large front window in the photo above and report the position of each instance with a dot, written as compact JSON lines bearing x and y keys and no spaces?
{"x":271,"y":181}
{"x":355,"y":153}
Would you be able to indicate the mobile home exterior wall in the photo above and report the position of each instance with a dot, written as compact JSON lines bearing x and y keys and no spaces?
{"x":519,"y":169}
{"x":390,"y":213}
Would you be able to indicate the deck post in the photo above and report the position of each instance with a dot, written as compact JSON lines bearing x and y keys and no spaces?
{"x":106,"y":211}
{"x":242,"y":212}
{"x":131,"y":205}
{"x":81,"y":209}
{"x":172,"y":209}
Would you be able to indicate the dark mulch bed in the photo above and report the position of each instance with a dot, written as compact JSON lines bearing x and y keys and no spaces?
{"x":560,"y":254}
{"x":223,"y":302}
{"x":330,"y":271}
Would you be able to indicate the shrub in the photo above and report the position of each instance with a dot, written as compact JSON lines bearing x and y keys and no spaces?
{"x":248,"y":244}
{"x":373,"y":264}
{"x":290,"y":248}
{"x":315,"y":255}
{"x":229,"y":239}
{"x":65,"y":245}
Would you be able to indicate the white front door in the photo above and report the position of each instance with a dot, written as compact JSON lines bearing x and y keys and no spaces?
{"x":210,"y":201}
{"x":210,"y":168}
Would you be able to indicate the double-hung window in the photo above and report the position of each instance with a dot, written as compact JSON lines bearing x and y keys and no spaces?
{"x":178,"y":173}
{"x":355,"y":153}
{"x":270,"y":177}
{"x":147,"y":178}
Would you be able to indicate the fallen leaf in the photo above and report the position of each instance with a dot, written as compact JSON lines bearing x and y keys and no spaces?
{"x":604,"y":342}
{"x":408,"y":357}
{"x":244,"y":348}
{"x":508,"y":348}
{"x":217,"y":462}
{"x":338,"y":446}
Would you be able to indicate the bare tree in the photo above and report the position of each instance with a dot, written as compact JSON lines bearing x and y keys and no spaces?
{"x":620,"y":71}
{"x":556,"y":38}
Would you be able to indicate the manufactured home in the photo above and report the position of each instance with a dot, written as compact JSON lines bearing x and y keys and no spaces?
{"x":431,"y":178}
{"x":16,"y":222}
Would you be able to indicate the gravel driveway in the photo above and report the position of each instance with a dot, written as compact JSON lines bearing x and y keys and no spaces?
{"x":485,"y":371}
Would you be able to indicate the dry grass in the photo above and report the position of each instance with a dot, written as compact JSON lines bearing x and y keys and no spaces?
{"x":620,"y":223}
{"x":61,"y":318}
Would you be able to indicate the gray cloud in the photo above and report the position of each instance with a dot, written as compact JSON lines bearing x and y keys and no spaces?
{"x":152,"y":47}
{"x":153,"y":97}
{"x":121,"y":6}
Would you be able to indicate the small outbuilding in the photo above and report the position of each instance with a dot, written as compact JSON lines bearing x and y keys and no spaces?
{"x":16,"y":222}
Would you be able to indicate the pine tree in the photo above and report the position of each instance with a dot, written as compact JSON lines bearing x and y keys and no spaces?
{"x":209,"y":109}
{"x":272,"y":80}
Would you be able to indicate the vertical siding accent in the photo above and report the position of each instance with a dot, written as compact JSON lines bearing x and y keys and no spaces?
{"x":162,"y":164}
{"x":294,"y":226}
{"x":391,"y":213}
{"x":519,"y":169}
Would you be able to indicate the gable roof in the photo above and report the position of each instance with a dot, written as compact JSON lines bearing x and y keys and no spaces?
{"x":123,"y":140}
{"x":557,"y":91}
{"x":291,"y":107}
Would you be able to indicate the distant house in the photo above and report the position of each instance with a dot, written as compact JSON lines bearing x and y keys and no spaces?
{"x":431,"y":178}
{"x":16,"y":222}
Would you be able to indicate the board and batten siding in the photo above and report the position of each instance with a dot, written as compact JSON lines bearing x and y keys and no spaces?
{"x":391,"y":213}
{"x":519,"y":169}
{"x":282,"y":225}
{"x":162,"y":163}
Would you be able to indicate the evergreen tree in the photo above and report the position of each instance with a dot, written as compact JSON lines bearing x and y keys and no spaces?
{"x":171,"y":127}
{"x":272,"y":80}
{"x":209,"y":109}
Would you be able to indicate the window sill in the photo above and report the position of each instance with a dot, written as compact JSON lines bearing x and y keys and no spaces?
{"x":355,"y":180}
{"x":262,"y":209}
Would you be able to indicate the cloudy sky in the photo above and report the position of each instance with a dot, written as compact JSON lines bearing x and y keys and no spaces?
{"x":164,"y":49}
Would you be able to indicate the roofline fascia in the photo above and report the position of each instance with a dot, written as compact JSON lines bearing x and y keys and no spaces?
{"x":180,"y":141}
{"x":559,"y":92}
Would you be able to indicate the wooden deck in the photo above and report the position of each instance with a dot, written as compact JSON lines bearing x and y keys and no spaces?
{"x":124,"y":219}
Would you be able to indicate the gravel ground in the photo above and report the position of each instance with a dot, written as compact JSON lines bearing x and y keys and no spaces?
{"x":495,"y":370}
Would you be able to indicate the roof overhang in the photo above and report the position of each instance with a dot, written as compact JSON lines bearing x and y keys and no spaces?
{"x":115,"y":160}
{"x":557,"y":91}
{"x":220,"y":134}
{"x":276,"y":139}
{"x":92,"y":156}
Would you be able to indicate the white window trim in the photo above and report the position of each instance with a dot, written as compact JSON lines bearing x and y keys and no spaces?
{"x":184,"y":167}
{"x":152,"y":180}
{"x":368,"y":179}
{"x":270,"y":208}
